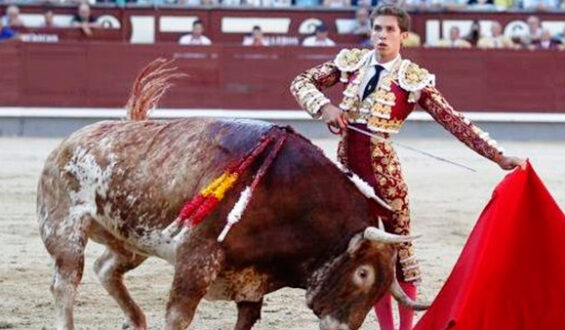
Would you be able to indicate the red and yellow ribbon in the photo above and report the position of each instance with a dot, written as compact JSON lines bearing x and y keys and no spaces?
{"x":208,"y":198}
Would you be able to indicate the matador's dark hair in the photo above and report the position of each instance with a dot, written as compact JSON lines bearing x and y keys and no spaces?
{"x":388,"y":10}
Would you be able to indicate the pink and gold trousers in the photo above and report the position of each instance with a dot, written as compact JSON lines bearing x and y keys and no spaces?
{"x":376,"y":162}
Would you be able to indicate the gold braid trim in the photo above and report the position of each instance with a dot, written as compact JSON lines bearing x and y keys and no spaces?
{"x":306,"y":87}
{"x":433,"y":102}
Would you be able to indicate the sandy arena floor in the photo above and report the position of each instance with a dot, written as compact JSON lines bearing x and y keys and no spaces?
{"x":446,"y":202}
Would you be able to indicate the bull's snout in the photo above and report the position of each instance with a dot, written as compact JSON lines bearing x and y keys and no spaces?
{"x":330,"y":323}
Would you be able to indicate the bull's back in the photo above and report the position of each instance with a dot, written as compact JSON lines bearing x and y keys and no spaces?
{"x":133,"y":177}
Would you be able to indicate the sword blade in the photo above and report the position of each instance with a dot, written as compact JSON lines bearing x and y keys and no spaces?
{"x":380,"y":138}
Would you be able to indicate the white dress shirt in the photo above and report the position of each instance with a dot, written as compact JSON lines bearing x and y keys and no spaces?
{"x":371,"y":72}
{"x":190,"y":40}
{"x":315,"y":42}
{"x":250,"y":41}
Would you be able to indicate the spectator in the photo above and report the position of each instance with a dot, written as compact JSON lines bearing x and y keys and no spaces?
{"x":84,"y":17}
{"x":362,"y":26}
{"x":49,"y":19}
{"x":307,"y":3}
{"x":474,"y":33}
{"x":196,"y":37}
{"x":277,"y":3}
{"x":189,"y":3}
{"x":362,"y":23}
{"x":540,"y":4}
{"x":534,"y":32}
{"x":337,"y":3}
{"x":454,"y":40}
{"x":12,"y":19}
{"x":256,"y":38}
{"x":453,"y":4}
{"x":6,"y":33}
{"x":545,"y":42}
{"x":84,"y":20}
{"x":423,"y":5}
{"x":320,"y":39}
{"x":364,"y":3}
{"x":396,"y":3}
{"x":481,"y":4}
{"x":268,"y":3}
{"x":561,"y":36}
{"x":155,"y":2}
{"x":504,"y":4}
{"x":412,"y":40}
{"x":496,"y":40}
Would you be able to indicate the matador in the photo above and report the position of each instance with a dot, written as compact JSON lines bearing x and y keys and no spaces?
{"x":381,"y":90}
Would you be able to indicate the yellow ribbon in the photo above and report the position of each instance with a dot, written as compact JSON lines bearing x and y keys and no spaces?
{"x":219,"y":186}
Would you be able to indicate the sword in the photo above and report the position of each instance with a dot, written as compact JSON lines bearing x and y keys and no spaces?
{"x":353,"y":128}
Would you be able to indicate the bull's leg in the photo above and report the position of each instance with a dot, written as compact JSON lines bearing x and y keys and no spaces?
{"x":196,"y":267}
{"x":247,"y":314}
{"x":110,"y":268}
{"x":65,"y":241}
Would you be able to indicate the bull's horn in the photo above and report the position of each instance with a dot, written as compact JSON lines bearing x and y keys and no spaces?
{"x":381,"y":224}
{"x":403,"y":298}
{"x":375,"y":234}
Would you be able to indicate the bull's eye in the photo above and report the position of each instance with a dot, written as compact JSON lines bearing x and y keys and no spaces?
{"x":364,"y":277}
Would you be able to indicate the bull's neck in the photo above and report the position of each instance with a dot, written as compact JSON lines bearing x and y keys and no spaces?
{"x":318,"y":271}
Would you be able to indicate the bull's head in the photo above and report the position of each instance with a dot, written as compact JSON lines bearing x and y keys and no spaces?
{"x":342,"y":292}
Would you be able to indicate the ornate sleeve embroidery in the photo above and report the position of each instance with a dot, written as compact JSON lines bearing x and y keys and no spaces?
{"x":433,"y":102}
{"x":307,"y":87}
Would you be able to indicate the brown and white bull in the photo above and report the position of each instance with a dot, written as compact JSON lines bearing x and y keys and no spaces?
{"x":121,"y":183}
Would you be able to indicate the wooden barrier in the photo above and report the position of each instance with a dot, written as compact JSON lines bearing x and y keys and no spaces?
{"x":95,"y":74}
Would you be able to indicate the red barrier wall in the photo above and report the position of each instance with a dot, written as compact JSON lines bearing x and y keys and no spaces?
{"x":231,"y":77}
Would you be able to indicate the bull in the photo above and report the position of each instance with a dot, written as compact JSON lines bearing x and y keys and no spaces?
{"x":123,"y":183}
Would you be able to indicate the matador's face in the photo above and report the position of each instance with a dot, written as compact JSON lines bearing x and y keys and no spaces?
{"x":387,"y":37}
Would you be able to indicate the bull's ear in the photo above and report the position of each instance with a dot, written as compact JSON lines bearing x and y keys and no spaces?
{"x":354,"y":244}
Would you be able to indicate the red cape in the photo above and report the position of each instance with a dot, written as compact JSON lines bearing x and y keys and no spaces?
{"x":511,"y":273}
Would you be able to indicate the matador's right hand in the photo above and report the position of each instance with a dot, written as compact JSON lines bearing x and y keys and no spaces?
{"x":333,"y":115}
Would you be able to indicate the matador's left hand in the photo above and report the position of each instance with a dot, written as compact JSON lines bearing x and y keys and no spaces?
{"x":510,"y":162}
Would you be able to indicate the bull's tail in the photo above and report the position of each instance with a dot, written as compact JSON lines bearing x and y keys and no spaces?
{"x":149,"y":86}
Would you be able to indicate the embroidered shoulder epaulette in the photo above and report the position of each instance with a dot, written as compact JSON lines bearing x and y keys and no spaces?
{"x":412,"y":78}
{"x":350,"y":59}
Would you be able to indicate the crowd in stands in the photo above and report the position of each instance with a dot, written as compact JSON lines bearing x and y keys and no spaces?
{"x":11,"y":23}
{"x":535,"y":38}
{"x":409,"y":4}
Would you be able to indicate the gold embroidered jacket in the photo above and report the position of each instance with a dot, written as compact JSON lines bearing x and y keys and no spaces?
{"x":386,"y":109}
